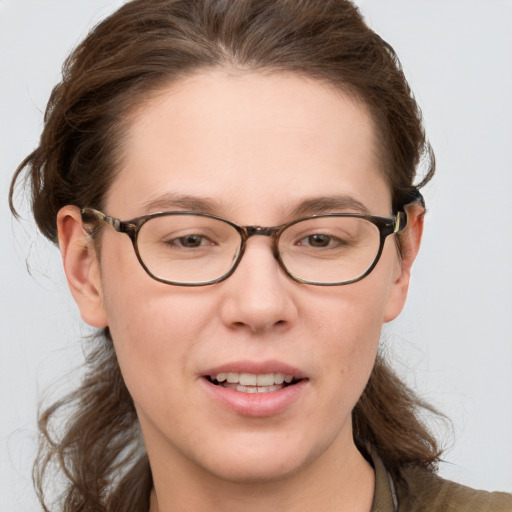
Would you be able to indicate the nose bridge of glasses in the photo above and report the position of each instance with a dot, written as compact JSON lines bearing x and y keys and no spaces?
{"x":271,"y":232}
{"x":260,"y":230}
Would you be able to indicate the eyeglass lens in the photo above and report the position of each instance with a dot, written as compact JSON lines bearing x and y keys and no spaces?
{"x":192,"y":249}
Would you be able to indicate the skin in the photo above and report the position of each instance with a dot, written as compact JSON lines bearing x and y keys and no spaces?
{"x":255,"y":146}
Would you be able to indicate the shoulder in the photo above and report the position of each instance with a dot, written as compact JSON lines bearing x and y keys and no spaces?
{"x":422,"y":491}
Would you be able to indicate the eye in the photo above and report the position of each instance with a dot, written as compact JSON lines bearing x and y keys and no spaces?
{"x":191,"y":241}
{"x":316,"y":240}
{"x":321,"y":241}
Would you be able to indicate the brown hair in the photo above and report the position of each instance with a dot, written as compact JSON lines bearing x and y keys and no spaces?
{"x":133,"y":53}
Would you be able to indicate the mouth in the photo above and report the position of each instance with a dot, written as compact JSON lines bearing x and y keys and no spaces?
{"x":252,"y":382}
{"x":255,"y":389}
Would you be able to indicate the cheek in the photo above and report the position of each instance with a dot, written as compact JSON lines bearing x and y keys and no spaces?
{"x":155,"y":327}
{"x":347,"y":323}
{"x":148,"y":322}
{"x":157,"y":344}
{"x":353,"y":313}
{"x":139,"y":309}
{"x":353,"y":340}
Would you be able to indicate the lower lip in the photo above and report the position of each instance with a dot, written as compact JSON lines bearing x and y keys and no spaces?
{"x":256,"y":405}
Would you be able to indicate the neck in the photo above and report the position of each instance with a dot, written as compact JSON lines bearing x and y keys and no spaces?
{"x":348,"y":486}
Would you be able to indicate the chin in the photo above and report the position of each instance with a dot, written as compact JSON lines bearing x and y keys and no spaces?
{"x":251,"y":472}
{"x":258,"y":460}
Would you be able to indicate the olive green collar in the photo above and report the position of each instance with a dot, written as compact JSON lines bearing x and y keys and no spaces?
{"x":385,"y":496}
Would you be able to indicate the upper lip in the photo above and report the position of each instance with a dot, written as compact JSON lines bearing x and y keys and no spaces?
{"x":255,"y":367}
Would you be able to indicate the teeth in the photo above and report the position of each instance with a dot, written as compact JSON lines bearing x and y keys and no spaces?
{"x":251,"y":379}
{"x":252,"y":389}
{"x":267,"y":379}
{"x":278,"y":378}
{"x":248,"y":379}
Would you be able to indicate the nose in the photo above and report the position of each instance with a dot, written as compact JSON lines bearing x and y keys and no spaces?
{"x":259,"y":295}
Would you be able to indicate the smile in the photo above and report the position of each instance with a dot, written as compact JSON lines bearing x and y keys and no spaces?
{"x":251,"y":382}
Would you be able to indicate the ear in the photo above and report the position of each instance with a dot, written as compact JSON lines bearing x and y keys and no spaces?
{"x":410,"y":239}
{"x":81,"y":266}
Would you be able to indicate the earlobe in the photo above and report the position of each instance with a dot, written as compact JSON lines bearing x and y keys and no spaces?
{"x":410,"y":240}
{"x":81,"y":266}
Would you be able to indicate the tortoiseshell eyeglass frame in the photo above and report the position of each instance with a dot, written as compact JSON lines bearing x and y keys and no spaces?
{"x":386,"y":226}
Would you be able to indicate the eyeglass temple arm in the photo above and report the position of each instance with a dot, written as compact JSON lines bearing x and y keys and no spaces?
{"x":118,"y":225}
{"x":413,"y":196}
{"x":400,"y":222}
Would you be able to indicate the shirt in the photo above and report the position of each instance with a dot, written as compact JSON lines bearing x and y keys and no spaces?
{"x":420,"y":490}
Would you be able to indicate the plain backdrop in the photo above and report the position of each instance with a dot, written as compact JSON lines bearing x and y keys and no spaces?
{"x":453,"y":342}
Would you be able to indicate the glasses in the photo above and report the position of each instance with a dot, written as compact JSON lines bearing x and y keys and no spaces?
{"x":196,"y":249}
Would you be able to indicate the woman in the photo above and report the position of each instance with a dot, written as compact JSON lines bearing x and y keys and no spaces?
{"x":246,"y":356}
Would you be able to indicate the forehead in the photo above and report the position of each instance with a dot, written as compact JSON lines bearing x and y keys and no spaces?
{"x":253,"y":144}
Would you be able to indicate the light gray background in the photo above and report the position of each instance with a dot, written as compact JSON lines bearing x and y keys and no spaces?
{"x":453,"y":342}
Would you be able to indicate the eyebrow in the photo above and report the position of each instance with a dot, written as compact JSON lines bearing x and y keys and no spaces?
{"x":326,"y":204}
{"x":310,"y":206}
{"x":171,"y":201}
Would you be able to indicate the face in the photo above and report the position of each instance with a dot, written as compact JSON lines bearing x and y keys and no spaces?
{"x":251,"y":148}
